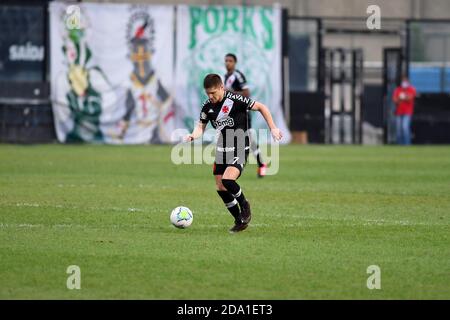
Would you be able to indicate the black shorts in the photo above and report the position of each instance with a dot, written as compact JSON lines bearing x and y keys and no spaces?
{"x":219,"y":169}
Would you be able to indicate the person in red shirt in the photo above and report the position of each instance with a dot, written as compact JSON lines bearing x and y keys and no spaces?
{"x":403,"y":97}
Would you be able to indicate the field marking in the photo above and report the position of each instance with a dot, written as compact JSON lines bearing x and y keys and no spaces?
{"x":114,"y":226}
{"x":349,"y":221}
{"x":26,"y":204}
{"x":59,"y":206}
{"x":20,"y":225}
{"x":356,"y":221}
{"x":39,"y":225}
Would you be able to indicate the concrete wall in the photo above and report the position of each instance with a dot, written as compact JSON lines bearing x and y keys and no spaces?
{"x":433,"y":9}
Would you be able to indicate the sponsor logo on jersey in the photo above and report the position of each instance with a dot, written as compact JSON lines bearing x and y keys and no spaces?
{"x":222,"y":123}
{"x":226,"y":149}
{"x":203,"y":116}
{"x":238,"y":97}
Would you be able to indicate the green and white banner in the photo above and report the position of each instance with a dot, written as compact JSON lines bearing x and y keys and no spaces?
{"x":205,"y":34}
{"x":120,"y":75}
{"x":112,"y":72}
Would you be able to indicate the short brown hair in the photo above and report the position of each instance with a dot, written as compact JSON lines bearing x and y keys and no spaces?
{"x":212,"y":80}
{"x":231,"y":55}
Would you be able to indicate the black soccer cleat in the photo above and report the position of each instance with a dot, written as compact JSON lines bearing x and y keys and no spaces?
{"x":246,"y":214}
{"x":238,"y":226}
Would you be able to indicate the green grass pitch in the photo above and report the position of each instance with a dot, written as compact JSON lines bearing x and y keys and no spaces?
{"x":329,"y":214}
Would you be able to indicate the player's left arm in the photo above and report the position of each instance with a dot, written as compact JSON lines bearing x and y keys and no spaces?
{"x":265,"y":112}
{"x":242,"y":85}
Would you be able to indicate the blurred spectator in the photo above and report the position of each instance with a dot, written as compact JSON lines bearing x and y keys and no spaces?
{"x":403,"y":97}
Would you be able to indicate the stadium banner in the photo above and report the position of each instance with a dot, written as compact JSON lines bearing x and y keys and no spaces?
{"x":206,"y":33}
{"x":22,"y":43}
{"x":112,"y":72}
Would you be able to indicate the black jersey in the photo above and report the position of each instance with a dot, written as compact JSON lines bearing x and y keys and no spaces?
{"x":230,"y":118}
{"x":235,"y":81}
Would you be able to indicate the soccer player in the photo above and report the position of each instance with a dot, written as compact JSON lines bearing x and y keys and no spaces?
{"x":228,"y":113}
{"x":235,"y":81}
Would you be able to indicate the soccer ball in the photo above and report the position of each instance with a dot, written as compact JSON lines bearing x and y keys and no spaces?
{"x":181,"y":217}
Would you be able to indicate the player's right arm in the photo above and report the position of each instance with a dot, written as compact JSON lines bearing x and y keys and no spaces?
{"x":201,"y":124}
{"x":198,"y":131}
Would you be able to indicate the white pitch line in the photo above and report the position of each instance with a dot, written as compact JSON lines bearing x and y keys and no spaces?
{"x":352,"y":220}
{"x":356,"y":221}
{"x":59,"y":206}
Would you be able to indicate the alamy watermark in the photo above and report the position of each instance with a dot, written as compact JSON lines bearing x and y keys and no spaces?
{"x":73,"y":17}
{"x":227,"y":149}
{"x":74,"y":279}
{"x":373,"y":22}
{"x":374,"y":280}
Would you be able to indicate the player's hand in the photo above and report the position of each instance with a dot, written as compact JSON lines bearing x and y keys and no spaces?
{"x":188,"y":138}
{"x":276,"y":134}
